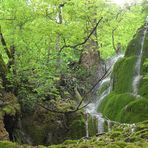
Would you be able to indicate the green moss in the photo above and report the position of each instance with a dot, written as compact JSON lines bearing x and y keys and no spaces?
{"x":38,"y":133}
{"x":121,"y":144}
{"x":115,"y":134}
{"x":70,"y":142}
{"x":135,"y":44}
{"x":124,"y":108}
{"x":9,"y":109}
{"x":112,"y":146}
{"x":92,"y":126}
{"x":123,"y":75}
{"x":11,"y":106}
{"x":113,"y":104}
{"x":144,"y":82}
{"x":103,"y":88}
{"x":38,"y":125}
{"x":7,"y":144}
{"x":135,"y":111}
{"x":114,"y":139}
{"x":145,"y":47}
{"x":143,"y":91}
{"x":77,"y":126}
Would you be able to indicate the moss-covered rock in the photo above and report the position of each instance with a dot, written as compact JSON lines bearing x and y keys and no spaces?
{"x":103,"y":88}
{"x":10,"y":105}
{"x":92,"y":126}
{"x":7,"y":144}
{"x":121,"y":136}
{"x":144,"y":70}
{"x":44,"y":127}
{"x":121,"y":105}
{"x":123,"y":75}
{"x":135,"y":111}
{"x":113,"y":104}
{"x":76,"y":126}
{"x":135,"y":44}
{"x":124,"y":108}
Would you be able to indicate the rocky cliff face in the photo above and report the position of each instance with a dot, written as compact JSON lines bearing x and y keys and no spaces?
{"x":123,"y":104}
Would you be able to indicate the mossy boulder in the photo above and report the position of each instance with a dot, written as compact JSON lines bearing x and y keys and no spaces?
{"x":7,"y":144}
{"x":125,"y":108}
{"x":10,"y":105}
{"x":124,"y":69}
{"x":113,"y":104}
{"x":134,"y":45}
{"x":76,"y":123}
{"x":135,"y":111}
{"x":121,"y":136}
{"x":123,"y":75}
{"x":103,"y":88}
{"x":143,"y":89}
{"x":44,"y":127}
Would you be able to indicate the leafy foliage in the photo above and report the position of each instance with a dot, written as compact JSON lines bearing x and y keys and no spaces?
{"x":34,"y":29}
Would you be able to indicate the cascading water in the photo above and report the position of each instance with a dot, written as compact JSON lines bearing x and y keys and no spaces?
{"x":138,"y":76}
{"x":91,"y":109}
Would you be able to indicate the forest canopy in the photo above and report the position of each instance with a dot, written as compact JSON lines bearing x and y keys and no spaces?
{"x":43,"y":37}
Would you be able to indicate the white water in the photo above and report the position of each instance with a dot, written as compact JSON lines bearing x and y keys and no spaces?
{"x":138,"y":76}
{"x":109,"y":125}
{"x":86,"y":125}
{"x":91,"y":109}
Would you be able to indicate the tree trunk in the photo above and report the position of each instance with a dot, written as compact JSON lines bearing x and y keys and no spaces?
{"x":3,"y":70}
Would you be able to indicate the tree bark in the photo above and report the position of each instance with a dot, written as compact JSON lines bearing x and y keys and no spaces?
{"x":3,"y":70}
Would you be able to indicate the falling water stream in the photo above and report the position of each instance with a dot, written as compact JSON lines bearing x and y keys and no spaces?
{"x":91,"y":109}
{"x":138,"y":76}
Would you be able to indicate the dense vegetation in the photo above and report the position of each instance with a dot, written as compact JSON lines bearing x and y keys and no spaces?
{"x":43,"y":33}
{"x":53,"y":54}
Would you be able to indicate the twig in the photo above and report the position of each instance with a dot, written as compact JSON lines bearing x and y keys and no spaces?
{"x":86,"y":39}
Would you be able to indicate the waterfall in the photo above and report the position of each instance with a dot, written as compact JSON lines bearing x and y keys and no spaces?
{"x":109,"y":125}
{"x":86,"y":125}
{"x":91,"y":109}
{"x":138,"y":76}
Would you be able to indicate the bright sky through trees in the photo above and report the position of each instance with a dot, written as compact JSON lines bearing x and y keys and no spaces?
{"x":123,"y":2}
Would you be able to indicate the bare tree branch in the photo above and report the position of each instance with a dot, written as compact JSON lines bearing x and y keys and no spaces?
{"x":51,"y":110}
{"x":4,"y":44}
{"x":86,"y":39}
{"x":79,"y":107}
{"x":104,"y":75}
